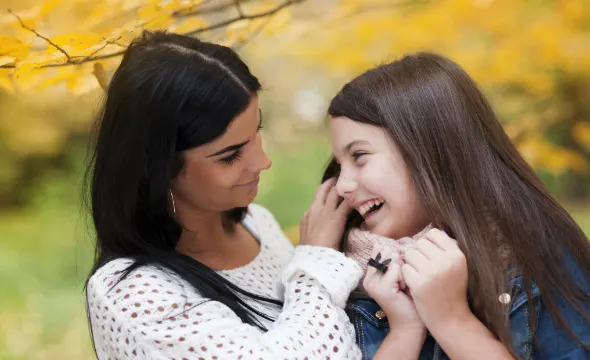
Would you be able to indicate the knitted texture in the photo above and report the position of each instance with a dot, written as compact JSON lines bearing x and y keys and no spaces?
{"x":152,"y":314}
{"x":360,"y":244}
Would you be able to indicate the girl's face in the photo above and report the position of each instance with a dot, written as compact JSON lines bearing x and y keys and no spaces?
{"x":374,"y":179}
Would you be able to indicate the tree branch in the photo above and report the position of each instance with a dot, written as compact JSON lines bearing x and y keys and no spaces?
{"x":239,"y":7}
{"x":245,"y":17}
{"x":77,"y":60}
{"x":201,"y":10}
{"x":22,"y":23}
{"x":240,"y":44}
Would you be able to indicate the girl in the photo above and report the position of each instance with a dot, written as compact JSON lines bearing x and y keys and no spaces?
{"x":186,"y":267}
{"x":504,"y":272}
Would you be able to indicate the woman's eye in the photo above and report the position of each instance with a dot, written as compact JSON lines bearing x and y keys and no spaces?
{"x":231,"y":159}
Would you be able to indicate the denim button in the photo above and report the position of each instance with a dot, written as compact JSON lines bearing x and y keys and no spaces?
{"x":380,"y":314}
{"x":505,"y":298}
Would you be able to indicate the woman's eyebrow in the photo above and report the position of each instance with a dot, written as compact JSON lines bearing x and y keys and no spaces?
{"x":229,"y":149}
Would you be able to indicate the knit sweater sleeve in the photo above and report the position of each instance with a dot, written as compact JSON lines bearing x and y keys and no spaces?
{"x":152,"y":315}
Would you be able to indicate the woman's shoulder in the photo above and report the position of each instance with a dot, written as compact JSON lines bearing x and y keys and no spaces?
{"x":111,"y":282}
{"x":261,"y":215}
{"x":267,"y":226}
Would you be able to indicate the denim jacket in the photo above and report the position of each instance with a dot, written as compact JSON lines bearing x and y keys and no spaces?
{"x":553,"y":342}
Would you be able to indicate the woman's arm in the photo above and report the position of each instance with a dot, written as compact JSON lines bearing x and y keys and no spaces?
{"x":153,"y":315}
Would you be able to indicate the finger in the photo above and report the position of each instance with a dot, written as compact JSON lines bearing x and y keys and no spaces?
{"x":332,"y":198}
{"x":397,"y":257}
{"x":416,"y":259}
{"x":402,"y":283}
{"x":344,"y":208}
{"x":441,"y":239}
{"x":393,"y":274}
{"x":371,"y":274}
{"x":410,"y":275}
{"x":322,"y":191}
{"x":428,"y":249}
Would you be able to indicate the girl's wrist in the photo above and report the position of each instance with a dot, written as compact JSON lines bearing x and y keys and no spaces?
{"x":417,"y":329}
{"x":453,"y":320}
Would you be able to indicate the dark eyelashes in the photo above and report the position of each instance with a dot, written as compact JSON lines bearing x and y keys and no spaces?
{"x":231,"y":159}
{"x":237,"y":155}
{"x":357,"y":155}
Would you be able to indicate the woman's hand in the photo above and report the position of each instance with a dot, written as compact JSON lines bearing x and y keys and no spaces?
{"x":323,"y":223}
{"x":436,"y":273}
{"x":388,"y":290}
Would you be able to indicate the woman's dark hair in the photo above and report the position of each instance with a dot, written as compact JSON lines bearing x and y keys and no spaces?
{"x":170,"y":93}
{"x":472,"y":182}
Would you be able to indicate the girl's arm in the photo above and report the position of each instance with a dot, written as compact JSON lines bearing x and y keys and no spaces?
{"x":407,"y":331}
{"x":436,"y":273}
{"x":467,"y":338}
{"x":401,"y":344}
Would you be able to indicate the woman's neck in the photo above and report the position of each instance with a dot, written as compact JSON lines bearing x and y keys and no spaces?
{"x":207,"y":238}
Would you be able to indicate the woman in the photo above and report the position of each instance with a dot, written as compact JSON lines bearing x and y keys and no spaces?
{"x":186,"y":267}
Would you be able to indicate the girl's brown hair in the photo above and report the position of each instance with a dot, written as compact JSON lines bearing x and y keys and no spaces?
{"x":472,"y":182}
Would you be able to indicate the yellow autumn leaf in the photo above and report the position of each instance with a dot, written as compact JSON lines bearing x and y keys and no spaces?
{"x":559,"y":160}
{"x":190,"y":24}
{"x":82,"y":84}
{"x":5,"y":60}
{"x":74,"y":42}
{"x":12,"y":47}
{"x":278,"y":22}
{"x":59,"y":75}
{"x":238,"y":31}
{"x":6,"y":84}
{"x":581,"y":133}
{"x":48,"y":6}
{"x":149,"y":12}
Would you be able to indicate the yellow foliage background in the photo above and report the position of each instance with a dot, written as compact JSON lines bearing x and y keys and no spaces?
{"x":531,"y":57}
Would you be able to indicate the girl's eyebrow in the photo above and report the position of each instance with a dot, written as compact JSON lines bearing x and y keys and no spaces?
{"x":351,"y":144}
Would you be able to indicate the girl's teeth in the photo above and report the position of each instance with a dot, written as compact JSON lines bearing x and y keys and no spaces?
{"x":366,"y":207}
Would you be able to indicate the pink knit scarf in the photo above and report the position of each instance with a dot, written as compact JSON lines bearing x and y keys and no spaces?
{"x":360,"y":244}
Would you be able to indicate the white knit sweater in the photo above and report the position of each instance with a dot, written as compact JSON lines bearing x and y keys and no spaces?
{"x":155,"y":315}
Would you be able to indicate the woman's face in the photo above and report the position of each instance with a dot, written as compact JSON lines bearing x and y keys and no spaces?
{"x":374,"y":179}
{"x":224,"y":173}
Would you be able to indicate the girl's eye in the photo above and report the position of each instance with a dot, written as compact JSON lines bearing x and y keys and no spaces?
{"x":233,"y":158}
{"x":358,"y":154}
{"x":260,"y":126}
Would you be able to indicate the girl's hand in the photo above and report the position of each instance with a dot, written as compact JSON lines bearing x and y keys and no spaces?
{"x":323,"y":223}
{"x":436,"y":273}
{"x":387,"y":289}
